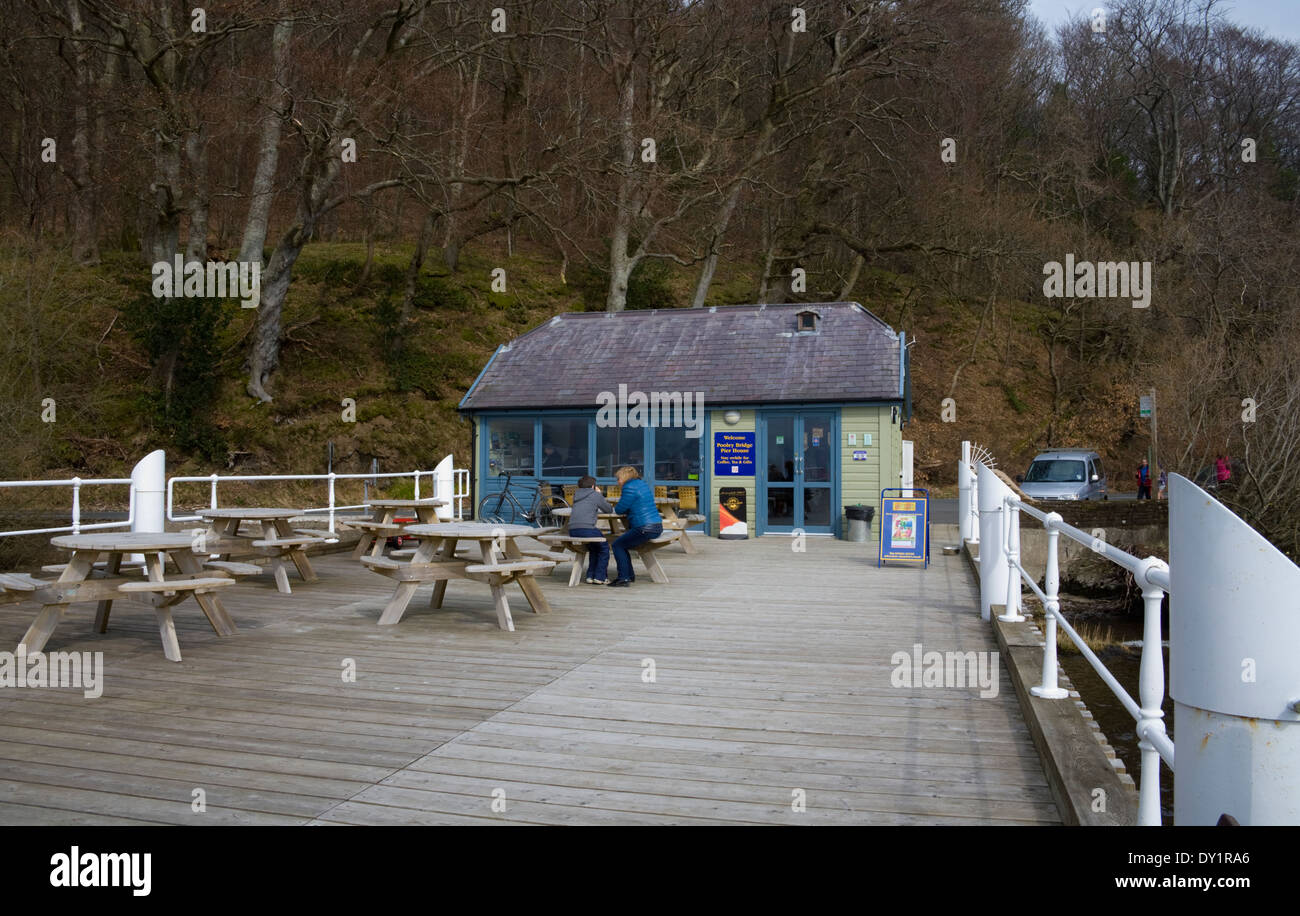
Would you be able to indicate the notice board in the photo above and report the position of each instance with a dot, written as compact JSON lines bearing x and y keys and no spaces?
{"x":904,"y":526}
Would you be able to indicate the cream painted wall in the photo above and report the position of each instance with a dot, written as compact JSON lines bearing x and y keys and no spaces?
{"x":862,"y":481}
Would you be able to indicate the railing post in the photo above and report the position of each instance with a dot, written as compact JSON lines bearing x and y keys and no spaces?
{"x":416,"y":474}
{"x":1011,"y":510}
{"x":1049,"y":689}
{"x":1151,"y":696}
{"x":963,"y":493}
{"x":76,"y":505}
{"x":331,"y":490}
{"x":213,"y":478}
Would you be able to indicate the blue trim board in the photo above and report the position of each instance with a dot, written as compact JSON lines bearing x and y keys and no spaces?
{"x":479,"y":377}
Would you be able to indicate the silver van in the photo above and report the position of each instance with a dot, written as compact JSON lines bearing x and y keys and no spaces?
{"x":1065,"y":473}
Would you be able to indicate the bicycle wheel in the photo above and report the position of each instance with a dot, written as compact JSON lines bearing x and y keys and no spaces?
{"x":544,"y":511}
{"x":497,"y":508}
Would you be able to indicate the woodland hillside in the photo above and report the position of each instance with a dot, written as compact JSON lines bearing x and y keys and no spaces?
{"x":420,"y":180}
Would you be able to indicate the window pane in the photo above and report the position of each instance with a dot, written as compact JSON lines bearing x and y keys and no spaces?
{"x":617,"y":446}
{"x":564,"y":448}
{"x":510,"y":447}
{"x":677,"y":455}
{"x":780,"y":452}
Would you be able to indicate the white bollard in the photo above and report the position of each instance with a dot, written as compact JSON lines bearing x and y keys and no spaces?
{"x":993,"y":555}
{"x":963,"y":493}
{"x":1234,"y":628}
{"x":149,"y":480}
{"x":444,"y":488}
{"x":149,"y":484}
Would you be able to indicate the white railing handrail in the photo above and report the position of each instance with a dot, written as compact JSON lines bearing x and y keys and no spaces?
{"x":1152,"y":574}
{"x":331,"y":507}
{"x":75,"y":483}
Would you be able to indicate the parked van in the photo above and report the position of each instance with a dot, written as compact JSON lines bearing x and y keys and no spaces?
{"x":1065,"y":473}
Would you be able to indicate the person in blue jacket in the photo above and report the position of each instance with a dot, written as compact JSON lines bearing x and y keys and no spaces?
{"x":644,"y":523}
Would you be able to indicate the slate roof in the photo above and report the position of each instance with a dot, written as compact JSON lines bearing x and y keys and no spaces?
{"x":738,"y":354}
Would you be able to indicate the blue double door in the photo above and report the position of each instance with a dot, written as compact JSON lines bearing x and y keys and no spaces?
{"x":798,"y":472}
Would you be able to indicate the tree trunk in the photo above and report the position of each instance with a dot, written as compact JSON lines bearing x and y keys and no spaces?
{"x":84,"y":234}
{"x":107,"y":84}
{"x":854,"y":272}
{"x":164,"y":216}
{"x":264,"y":356}
{"x":264,"y":353}
{"x":620,"y":263}
{"x":417,"y":261}
{"x":769,"y":258}
{"x":268,"y":153}
{"x":196,"y":153}
{"x":715,"y":242}
{"x":451,"y":240}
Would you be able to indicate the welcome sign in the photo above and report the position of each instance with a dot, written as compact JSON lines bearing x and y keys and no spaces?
{"x":733,"y":454}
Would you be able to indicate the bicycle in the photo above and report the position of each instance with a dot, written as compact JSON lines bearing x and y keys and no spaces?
{"x":504,"y":508}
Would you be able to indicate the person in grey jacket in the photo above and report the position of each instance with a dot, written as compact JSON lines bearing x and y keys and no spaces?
{"x":588,"y":503}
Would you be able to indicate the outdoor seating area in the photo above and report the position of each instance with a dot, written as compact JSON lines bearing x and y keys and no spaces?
{"x":102,"y":568}
{"x":682,"y":703}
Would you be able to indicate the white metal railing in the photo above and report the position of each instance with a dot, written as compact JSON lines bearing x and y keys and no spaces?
{"x":460,"y":491}
{"x":331,"y":507}
{"x":1152,"y":574}
{"x":1002,"y":573}
{"x":76,"y":484}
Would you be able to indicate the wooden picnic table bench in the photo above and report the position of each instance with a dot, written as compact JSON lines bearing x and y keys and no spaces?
{"x":675,"y":521}
{"x":278,"y":541}
{"x":383,"y":523}
{"x":645,"y":550}
{"x":75,"y":584}
{"x":435,"y":561}
{"x":562,"y":543}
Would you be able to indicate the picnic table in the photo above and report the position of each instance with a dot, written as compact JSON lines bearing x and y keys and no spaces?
{"x":383,"y":524}
{"x":562,"y":542}
{"x":277,"y":540}
{"x":668,"y":507}
{"x":76,"y":584}
{"x":435,"y":561}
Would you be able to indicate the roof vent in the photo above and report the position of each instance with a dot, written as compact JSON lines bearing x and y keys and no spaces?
{"x":807,"y":319}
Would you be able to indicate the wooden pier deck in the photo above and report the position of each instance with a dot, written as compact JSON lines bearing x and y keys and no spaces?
{"x":771,"y":685}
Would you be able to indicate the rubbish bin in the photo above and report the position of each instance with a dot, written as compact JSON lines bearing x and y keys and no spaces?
{"x":859,"y":522}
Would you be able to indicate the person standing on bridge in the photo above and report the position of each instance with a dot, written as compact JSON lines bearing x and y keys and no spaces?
{"x":1143,"y":476}
{"x":1162,"y":484}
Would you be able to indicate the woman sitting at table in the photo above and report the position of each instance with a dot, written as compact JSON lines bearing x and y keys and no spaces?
{"x":644,"y":523}
{"x":588,"y":503}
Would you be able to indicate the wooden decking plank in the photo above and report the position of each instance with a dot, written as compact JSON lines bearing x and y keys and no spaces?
{"x":591,"y":757}
{"x":1016,"y":769}
{"x":436,"y":769}
{"x":217,"y":796}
